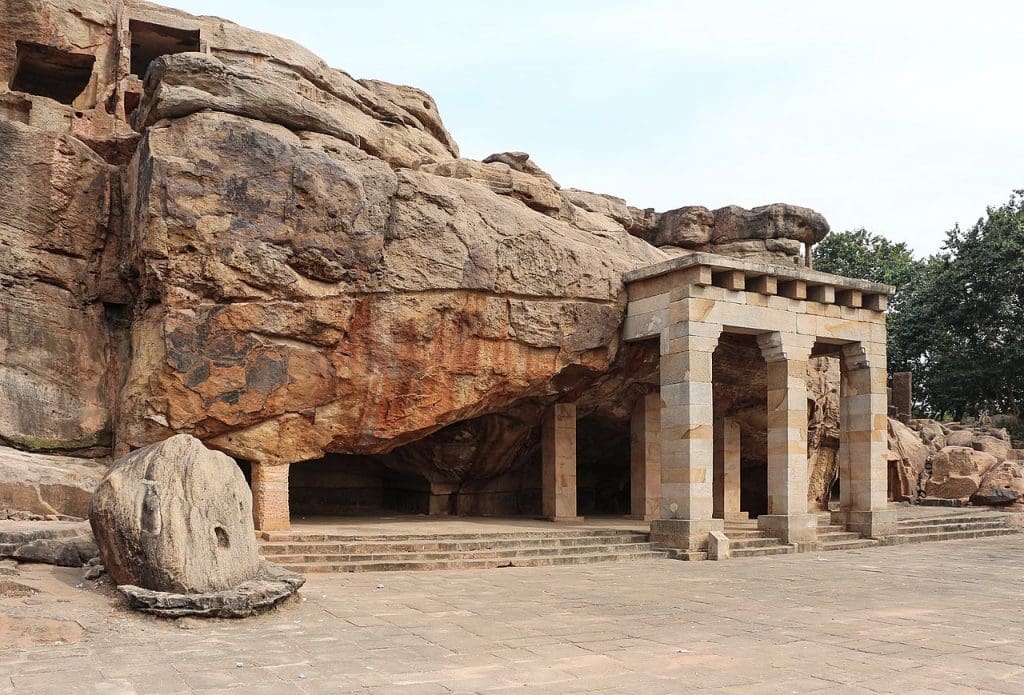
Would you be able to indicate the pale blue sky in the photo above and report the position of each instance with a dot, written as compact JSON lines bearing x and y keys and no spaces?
{"x":901,"y":117}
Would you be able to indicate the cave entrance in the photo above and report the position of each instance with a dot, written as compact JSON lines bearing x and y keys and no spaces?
{"x":603,"y":467}
{"x":50,"y":72}
{"x":341,"y":485}
{"x":740,"y":454}
{"x":150,"y":41}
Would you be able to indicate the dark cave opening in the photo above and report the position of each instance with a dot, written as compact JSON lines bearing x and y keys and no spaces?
{"x":50,"y":72}
{"x":602,"y":467}
{"x":343,"y":485}
{"x":150,"y":41}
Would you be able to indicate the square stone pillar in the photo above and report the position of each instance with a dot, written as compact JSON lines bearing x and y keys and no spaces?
{"x":270,"y":497}
{"x":645,"y":458}
{"x":863,"y":443}
{"x":786,"y":356}
{"x":727,"y":471}
{"x":558,"y":473}
{"x":687,"y":433}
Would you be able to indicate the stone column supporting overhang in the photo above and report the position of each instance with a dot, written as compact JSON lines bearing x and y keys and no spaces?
{"x":686,"y":303}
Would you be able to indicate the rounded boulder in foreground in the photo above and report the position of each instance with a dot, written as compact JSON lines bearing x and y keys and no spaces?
{"x":176,"y":517}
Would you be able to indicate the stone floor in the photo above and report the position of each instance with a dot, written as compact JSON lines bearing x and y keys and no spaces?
{"x":937,"y":617}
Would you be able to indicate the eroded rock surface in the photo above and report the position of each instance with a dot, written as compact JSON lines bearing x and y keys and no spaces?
{"x":47,"y":485}
{"x":241,"y":243}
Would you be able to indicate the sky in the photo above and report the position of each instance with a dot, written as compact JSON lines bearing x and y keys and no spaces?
{"x":904,"y":118}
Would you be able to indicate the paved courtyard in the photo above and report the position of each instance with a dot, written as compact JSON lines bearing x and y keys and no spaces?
{"x":940,"y":617}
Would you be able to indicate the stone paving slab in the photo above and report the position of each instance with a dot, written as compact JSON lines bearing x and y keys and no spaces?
{"x":943,"y":617}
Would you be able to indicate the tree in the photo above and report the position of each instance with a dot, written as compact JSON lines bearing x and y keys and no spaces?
{"x":957,"y":318}
{"x":861,"y":254}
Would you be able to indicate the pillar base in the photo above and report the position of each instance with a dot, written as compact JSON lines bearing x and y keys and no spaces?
{"x":737,"y":516}
{"x":684,"y":534}
{"x":799,"y":529}
{"x":879,"y":523}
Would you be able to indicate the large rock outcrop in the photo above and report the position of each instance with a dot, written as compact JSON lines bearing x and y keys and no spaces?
{"x":47,"y":485}
{"x":238,"y":242}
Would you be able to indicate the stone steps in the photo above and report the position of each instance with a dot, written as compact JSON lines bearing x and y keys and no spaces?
{"x":306,"y":552}
{"x":926,"y":537}
{"x":745,"y":540}
{"x":540,"y":551}
{"x":848,"y":544}
{"x":521,"y":560}
{"x":429,"y":545}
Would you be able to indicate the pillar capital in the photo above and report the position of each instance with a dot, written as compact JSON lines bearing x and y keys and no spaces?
{"x":779,"y":346}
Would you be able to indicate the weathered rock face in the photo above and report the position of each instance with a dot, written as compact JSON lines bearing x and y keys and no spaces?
{"x":289,"y":263}
{"x":47,"y":485}
{"x":772,"y":233}
{"x":957,"y":471}
{"x":57,"y":364}
{"x":175,"y":517}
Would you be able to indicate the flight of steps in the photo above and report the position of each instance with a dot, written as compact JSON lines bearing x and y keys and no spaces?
{"x":954,"y":526}
{"x":836,"y":537}
{"x":312,"y":552}
{"x":745,"y":540}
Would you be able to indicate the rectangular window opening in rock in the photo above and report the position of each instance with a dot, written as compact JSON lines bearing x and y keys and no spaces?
{"x":50,"y":72}
{"x":150,"y":41}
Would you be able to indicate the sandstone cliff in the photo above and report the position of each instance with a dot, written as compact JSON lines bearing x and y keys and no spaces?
{"x":207,"y":230}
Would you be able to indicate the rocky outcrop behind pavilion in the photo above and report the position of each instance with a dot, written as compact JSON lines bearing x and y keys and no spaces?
{"x":215,"y":233}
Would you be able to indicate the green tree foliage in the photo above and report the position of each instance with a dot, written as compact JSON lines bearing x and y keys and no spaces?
{"x":957,"y":320}
{"x":861,"y":254}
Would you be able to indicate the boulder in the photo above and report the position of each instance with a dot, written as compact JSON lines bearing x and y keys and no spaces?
{"x":64,"y":543}
{"x":911,"y":455}
{"x":47,"y":485}
{"x":176,"y":517}
{"x":688,"y":227}
{"x":957,"y":472}
{"x":1002,"y":484}
{"x":932,"y":433}
{"x":776,"y":221}
{"x":1000,"y":448}
{"x":960,"y":438}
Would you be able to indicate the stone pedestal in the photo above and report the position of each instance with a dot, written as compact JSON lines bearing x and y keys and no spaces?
{"x":558,"y":448}
{"x":801,"y":529}
{"x":270,"y":497}
{"x":684,"y":534}
{"x":880,"y":523}
{"x":645,"y":458}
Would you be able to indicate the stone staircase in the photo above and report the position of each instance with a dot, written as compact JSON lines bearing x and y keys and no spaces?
{"x":745,"y":540}
{"x":954,"y":526}
{"x":313,"y":552}
{"x":836,"y":537}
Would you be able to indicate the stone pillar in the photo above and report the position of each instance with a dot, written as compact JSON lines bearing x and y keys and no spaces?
{"x":863,"y":443}
{"x":687,"y":433}
{"x":645,"y":458}
{"x":786,"y":356}
{"x":727,"y":471}
{"x":902,"y":395}
{"x":558,"y":448}
{"x":270,"y":497}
